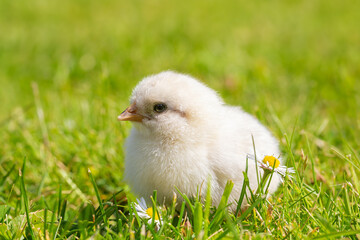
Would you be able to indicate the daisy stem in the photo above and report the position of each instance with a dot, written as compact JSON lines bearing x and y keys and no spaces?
{"x":264,"y":178}
{"x":262,"y":182}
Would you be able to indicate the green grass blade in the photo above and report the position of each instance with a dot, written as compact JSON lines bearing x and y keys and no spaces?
{"x":25,"y":198}
{"x":45,"y":222}
{"x":186,"y":200}
{"x":338,"y":234}
{"x":181,"y":214}
{"x":99,"y":199}
{"x":242,"y":193}
{"x":207,"y":209}
{"x":219,"y":215}
{"x":198,"y":217}
{"x":3,"y":179}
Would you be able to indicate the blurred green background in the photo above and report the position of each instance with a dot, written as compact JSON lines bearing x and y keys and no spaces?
{"x":67,"y":69}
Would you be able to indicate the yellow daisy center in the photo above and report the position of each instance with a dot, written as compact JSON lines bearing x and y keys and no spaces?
{"x":149,"y":212}
{"x":272,"y":161}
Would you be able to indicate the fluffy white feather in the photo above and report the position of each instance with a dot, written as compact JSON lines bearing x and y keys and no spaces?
{"x":196,"y":137}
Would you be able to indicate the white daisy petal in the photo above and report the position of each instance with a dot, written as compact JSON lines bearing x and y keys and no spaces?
{"x":142,"y":203}
{"x":142,"y":211}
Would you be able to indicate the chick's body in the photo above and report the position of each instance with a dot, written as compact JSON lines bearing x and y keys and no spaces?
{"x":197,"y":137}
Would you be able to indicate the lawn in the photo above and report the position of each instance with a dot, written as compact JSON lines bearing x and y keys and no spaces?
{"x":66,"y":72}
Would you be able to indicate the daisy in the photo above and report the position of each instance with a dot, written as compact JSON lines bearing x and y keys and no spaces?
{"x":271,"y":163}
{"x":147,"y":213}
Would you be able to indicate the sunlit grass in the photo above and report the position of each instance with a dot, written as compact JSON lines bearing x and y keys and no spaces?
{"x":67,"y":69}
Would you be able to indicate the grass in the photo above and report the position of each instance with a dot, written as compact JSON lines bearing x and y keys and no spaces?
{"x":67,"y":70}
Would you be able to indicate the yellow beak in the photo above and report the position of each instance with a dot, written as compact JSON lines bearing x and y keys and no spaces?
{"x":130,"y":114}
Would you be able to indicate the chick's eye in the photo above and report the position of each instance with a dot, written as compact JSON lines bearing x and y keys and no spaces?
{"x":160,"y":107}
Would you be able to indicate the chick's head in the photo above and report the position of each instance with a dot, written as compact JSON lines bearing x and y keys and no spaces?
{"x":171,"y":104}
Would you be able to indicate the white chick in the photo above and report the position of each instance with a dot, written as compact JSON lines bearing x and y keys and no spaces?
{"x":184,"y":134}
